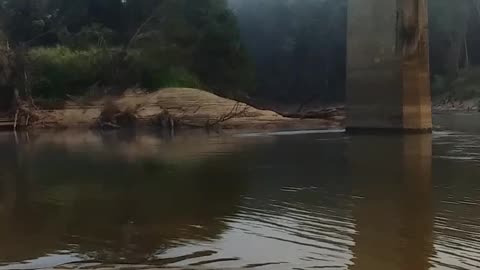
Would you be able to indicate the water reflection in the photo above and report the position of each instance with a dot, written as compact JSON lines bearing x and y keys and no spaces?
{"x":317,"y":200}
{"x":106,"y":209}
{"x":393,"y":208}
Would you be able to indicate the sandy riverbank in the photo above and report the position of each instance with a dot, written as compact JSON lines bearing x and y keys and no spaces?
{"x":172,"y":107}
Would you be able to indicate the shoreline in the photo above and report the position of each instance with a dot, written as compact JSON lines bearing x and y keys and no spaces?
{"x":173,"y":109}
{"x":471,"y":105}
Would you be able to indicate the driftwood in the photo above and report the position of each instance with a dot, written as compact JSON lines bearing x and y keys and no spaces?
{"x":235,"y":112}
{"x":238,"y":110}
{"x":316,"y":114}
{"x":25,"y":112}
{"x":112,"y":117}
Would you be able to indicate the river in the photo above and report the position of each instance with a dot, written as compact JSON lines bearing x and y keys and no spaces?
{"x":288,"y":200}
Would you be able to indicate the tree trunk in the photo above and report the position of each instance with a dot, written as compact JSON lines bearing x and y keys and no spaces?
{"x":21,"y":72}
{"x":7,"y":81}
{"x":454,"y":55}
{"x":467,"y":56}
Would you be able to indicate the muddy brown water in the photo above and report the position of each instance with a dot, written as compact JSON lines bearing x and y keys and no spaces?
{"x":287,"y":200}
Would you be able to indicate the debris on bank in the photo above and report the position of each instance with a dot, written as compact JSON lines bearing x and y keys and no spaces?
{"x":452,"y":105}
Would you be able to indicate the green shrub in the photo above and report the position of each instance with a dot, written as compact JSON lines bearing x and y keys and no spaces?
{"x":60,"y":71}
{"x":159,"y":68}
{"x":440,"y":85}
{"x":467,"y":85}
{"x":174,"y":77}
{"x":91,"y":34}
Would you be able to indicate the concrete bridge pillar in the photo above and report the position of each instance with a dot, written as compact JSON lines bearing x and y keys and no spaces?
{"x":388,"y":84}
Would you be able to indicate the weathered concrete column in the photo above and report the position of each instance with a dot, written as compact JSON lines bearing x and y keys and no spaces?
{"x":388,"y":84}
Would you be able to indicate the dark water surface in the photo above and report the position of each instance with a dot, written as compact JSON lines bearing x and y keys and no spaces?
{"x":254,"y":201}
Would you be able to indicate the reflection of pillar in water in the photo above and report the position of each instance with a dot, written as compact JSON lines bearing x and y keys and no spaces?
{"x":393,"y":211}
{"x":7,"y":193}
{"x":9,"y":176}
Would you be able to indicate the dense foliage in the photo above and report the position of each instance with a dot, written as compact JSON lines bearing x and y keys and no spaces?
{"x":278,"y":50}
{"x":72,"y":45}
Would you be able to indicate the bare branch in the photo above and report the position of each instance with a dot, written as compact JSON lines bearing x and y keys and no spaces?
{"x":235,"y":112}
{"x":139,"y":31}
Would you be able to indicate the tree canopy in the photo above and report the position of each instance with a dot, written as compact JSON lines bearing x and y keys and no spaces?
{"x":74,"y":44}
{"x":278,"y":50}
